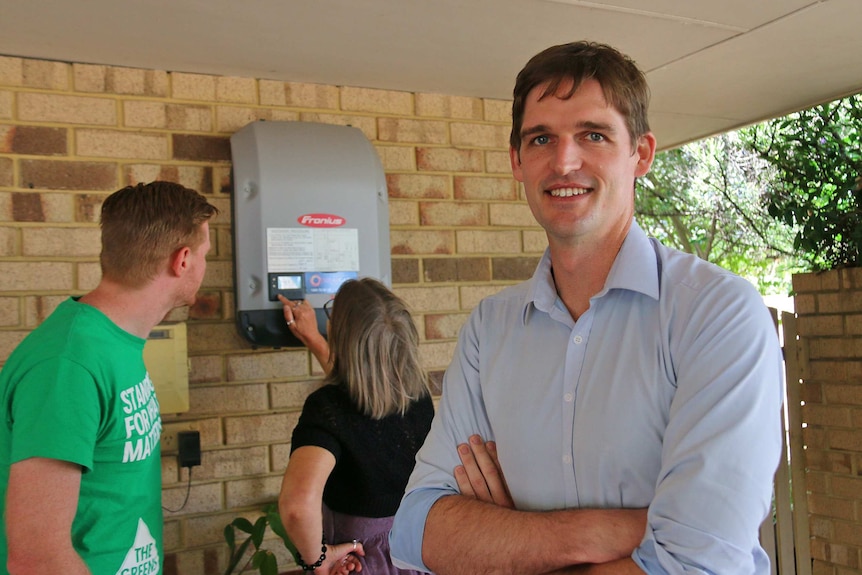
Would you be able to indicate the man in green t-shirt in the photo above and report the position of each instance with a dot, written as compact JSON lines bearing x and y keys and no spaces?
{"x":80,"y":469}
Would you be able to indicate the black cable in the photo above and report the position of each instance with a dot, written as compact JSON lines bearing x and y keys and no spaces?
{"x":188,"y":490}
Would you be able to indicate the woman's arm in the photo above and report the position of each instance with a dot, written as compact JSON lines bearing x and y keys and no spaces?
{"x":302,"y":321}
{"x":299,"y":505}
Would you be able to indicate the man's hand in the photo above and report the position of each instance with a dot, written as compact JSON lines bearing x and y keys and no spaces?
{"x":480,"y":476}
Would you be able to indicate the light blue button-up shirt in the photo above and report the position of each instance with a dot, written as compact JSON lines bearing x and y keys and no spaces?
{"x":666,"y":393}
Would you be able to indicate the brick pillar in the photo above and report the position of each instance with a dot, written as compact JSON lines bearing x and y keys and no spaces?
{"x":829,"y":308}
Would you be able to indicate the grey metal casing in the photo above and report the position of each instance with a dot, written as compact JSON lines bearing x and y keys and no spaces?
{"x":283,"y":171}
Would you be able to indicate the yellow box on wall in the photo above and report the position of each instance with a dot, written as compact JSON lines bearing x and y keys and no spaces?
{"x":167,"y":360}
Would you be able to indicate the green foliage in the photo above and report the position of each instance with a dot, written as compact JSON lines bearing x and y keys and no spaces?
{"x":261,"y":559}
{"x":708,"y":198}
{"x":816,"y":161}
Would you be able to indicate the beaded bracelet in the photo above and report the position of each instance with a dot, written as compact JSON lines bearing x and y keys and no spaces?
{"x":313,"y":566}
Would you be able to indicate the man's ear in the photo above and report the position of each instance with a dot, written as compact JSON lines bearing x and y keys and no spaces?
{"x":515,"y":159}
{"x":180,"y":261}
{"x":646,"y":154}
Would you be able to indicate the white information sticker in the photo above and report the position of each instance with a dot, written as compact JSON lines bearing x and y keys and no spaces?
{"x":312,"y":249}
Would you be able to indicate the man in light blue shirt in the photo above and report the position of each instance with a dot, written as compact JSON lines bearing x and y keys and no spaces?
{"x":632,"y":392}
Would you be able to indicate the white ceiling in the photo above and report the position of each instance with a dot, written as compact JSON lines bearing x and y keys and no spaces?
{"x":713,"y":65}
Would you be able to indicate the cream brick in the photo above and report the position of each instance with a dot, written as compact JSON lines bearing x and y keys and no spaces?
{"x":9,"y":340}
{"x":5,"y":206}
{"x":237,"y":90}
{"x":293,"y":394}
{"x":376,"y":101}
{"x":479,"y":135}
{"x":260,"y":428}
{"x":198,"y":178}
{"x":35,"y":276}
{"x":116,"y":144}
{"x":224,"y":399}
{"x":412,"y":131}
{"x":209,"y":530}
{"x":89,"y":77}
{"x":89,"y":275}
{"x":11,"y":71}
{"x":171,"y":536}
{"x":255,"y":491}
{"x":436,"y":299}
{"x":419,"y":186}
{"x":205,"y":498}
{"x":223,"y":244}
{"x":267,"y":366}
{"x":209,"y":337}
{"x":449,"y":160}
{"x":444,"y":326}
{"x":58,"y":207}
{"x":403,"y":213}
{"x":517,"y":215}
{"x":218,"y":274}
{"x":422,"y":242}
{"x":114,"y":80}
{"x":475,"y":242}
{"x":453,"y":214}
{"x":36,"y":107}
{"x":225,"y":463}
{"x":6,"y":101}
{"x":436,"y":355}
{"x":441,"y":106}
{"x":65,"y":242}
{"x":222,"y":183}
{"x":272,"y":92}
{"x":484,"y":188}
{"x":46,"y":74}
{"x":38,"y":308}
{"x":206,"y":369}
{"x":193,"y":87}
{"x":367,"y":125}
{"x":472,"y":295}
{"x":138,"y":114}
{"x":498,"y":111}
{"x":280,"y":454}
{"x":397,"y":158}
{"x":535,"y":241}
{"x":9,"y":242}
{"x":189,"y":118}
{"x":320,"y":96}
{"x":231,"y":118}
{"x":7,"y":175}
{"x":10,"y":312}
{"x":498,"y":162}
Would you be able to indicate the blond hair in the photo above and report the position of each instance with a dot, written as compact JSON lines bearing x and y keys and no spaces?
{"x":375,"y":349}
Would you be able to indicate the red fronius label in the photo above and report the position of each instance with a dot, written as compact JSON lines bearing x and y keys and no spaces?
{"x":321,"y":220}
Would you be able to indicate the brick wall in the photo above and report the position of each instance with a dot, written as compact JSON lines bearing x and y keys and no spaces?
{"x":829,"y":325}
{"x":72,"y":133}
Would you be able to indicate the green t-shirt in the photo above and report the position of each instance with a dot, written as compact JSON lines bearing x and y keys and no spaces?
{"x":76,"y":389}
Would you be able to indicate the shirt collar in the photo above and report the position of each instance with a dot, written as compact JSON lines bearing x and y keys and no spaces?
{"x":635,"y":268}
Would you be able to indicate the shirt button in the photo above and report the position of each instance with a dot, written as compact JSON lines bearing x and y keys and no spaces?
{"x":578,"y":339}
{"x":568,"y":397}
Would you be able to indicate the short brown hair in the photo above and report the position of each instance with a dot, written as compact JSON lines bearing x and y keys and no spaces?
{"x":143,"y":225}
{"x":375,"y":349}
{"x":623,"y":84}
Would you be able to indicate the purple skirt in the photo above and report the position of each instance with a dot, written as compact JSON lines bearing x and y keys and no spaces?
{"x":372,"y":532}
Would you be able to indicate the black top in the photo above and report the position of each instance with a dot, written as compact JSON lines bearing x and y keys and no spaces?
{"x":373,"y":457}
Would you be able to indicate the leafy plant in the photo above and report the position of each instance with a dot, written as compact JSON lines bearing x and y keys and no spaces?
{"x":816,"y":155}
{"x":261,"y":559}
{"x":709,"y":198}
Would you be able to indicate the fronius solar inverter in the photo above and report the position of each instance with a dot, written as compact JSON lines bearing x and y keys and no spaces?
{"x":310,"y":210}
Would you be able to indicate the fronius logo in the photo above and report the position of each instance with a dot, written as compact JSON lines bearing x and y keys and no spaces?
{"x":321,"y":220}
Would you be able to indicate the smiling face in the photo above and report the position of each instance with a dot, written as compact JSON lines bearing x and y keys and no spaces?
{"x":577,"y":165}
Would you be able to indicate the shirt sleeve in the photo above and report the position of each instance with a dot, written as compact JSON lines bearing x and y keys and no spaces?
{"x":55,"y":413}
{"x":461,"y":413}
{"x":723,"y":438}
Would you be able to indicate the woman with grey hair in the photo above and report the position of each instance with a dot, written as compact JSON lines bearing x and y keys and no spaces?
{"x":354,"y":446}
